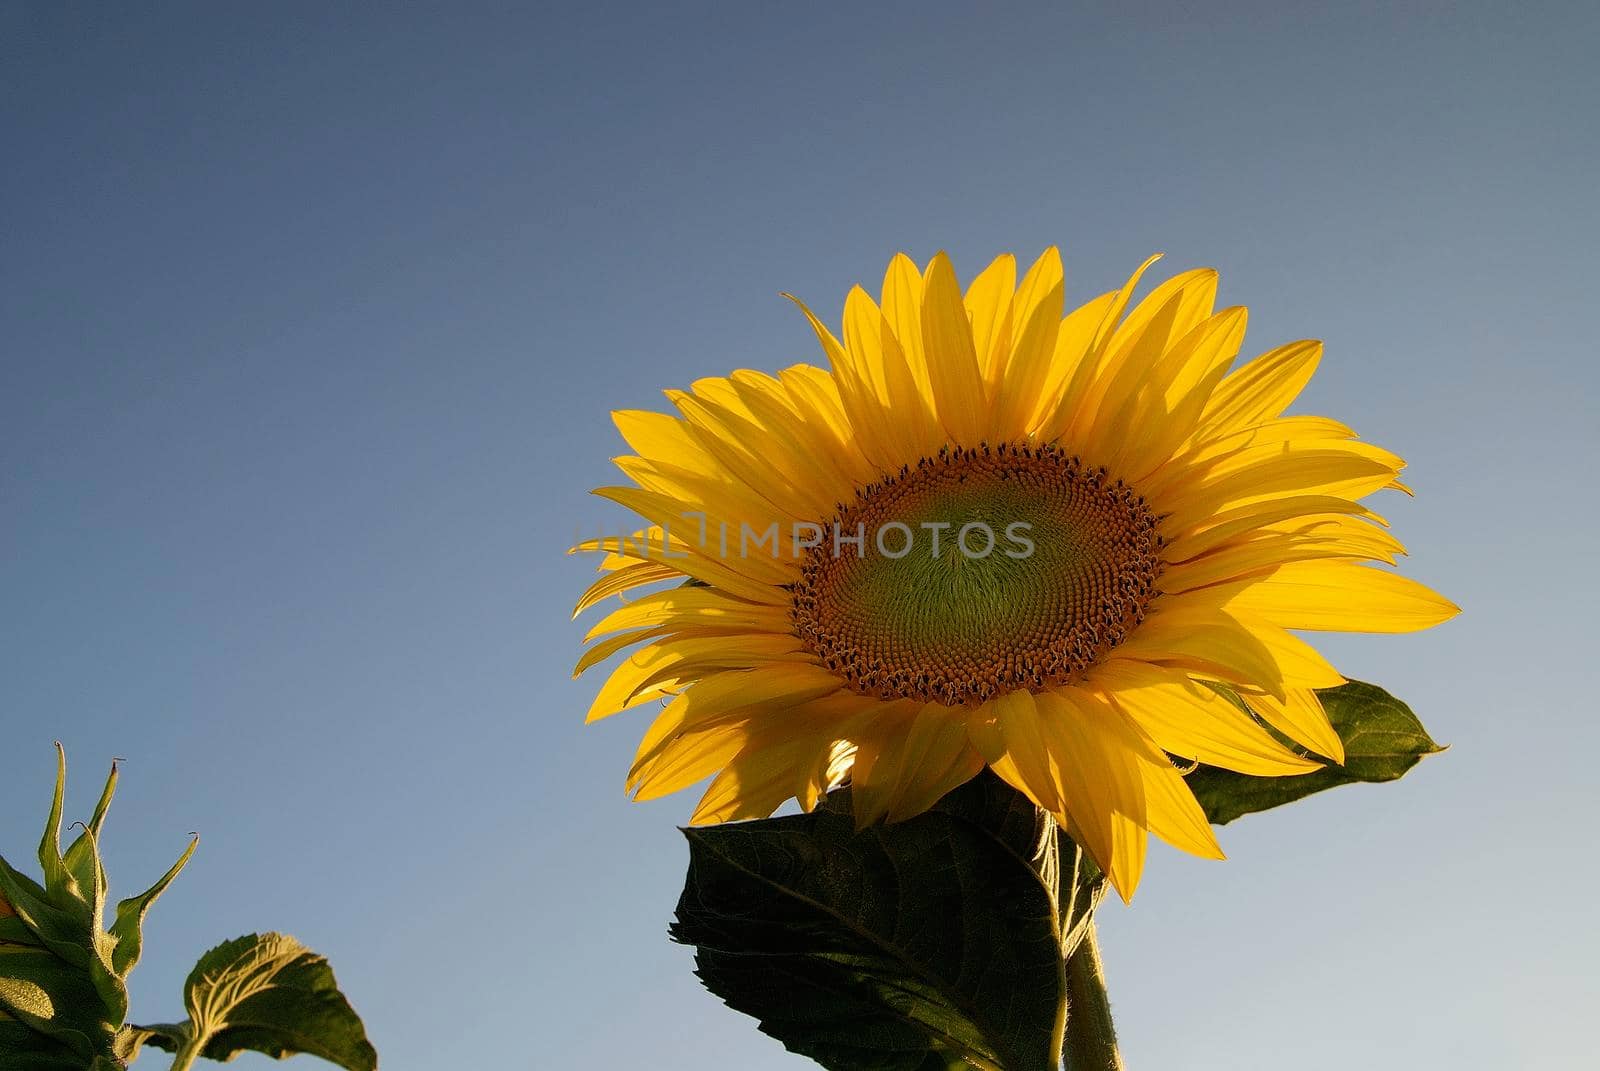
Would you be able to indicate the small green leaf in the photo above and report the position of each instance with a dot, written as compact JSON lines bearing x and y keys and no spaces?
{"x":928,"y":944}
{"x":266,"y":993}
{"x":1382,"y":741}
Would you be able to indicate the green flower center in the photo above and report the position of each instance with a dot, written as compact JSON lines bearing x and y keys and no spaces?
{"x":977,"y":573}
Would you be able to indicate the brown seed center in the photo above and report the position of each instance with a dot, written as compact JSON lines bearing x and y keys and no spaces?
{"x":976,"y":573}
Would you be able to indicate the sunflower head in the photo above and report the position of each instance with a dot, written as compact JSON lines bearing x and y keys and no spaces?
{"x":63,"y":970}
{"x":995,"y":532}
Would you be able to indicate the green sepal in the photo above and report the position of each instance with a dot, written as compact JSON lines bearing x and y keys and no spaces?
{"x":1382,"y":739}
{"x":82,"y":857}
{"x":932,"y":943}
{"x":127,"y":930}
{"x":48,"y":926}
{"x":58,"y":883}
{"x":265,"y":993}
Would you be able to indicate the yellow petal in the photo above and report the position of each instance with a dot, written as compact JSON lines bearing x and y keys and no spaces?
{"x":1171,"y":810}
{"x":1171,"y":401}
{"x":952,"y":364}
{"x":613,"y":645}
{"x":736,"y":693}
{"x":807,"y":448}
{"x":902,"y":308}
{"x":859,"y":397}
{"x":769,"y":465}
{"x":689,"y":658}
{"x":1356,"y":536}
{"x":1336,"y":473}
{"x":1092,"y":373}
{"x":1195,"y":291}
{"x":1200,"y":358}
{"x":875,"y":767}
{"x":1194,"y":636}
{"x":750,"y":576}
{"x":659,"y":436}
{"x":1243,"y":559}
{"x":989,"y":306}
{"x":915,"y":430}
{"x":692,"y":607}
{"x":1194,"y":722}
{"x":1265,"y":387}
{"x":757,"y":781}
{"x":783,"y":760}
{"x":1136,"y":355}
{"x":1343,"y":597}
{"x":1039,"y":311}
{"x":626,"y":688}
{"x":1071,"y":368}
{"x":934,"y":759}
{"x":1209,"y":461}
{"x":1101,"y":784}
{"x":807,"y":434}
{"x":1017,"y":721}
{"x":701,"y":500}
{"x":1113,"y":318}
{"x":1242,"y":521}
{"x":815,"y":395}
{"x":1300,"y":717}
{"x":624,"y":580}
{"x":1299,"y":664}
{"x":688,"y":758}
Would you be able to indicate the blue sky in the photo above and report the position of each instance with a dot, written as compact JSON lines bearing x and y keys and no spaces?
{"x":313,"y":319}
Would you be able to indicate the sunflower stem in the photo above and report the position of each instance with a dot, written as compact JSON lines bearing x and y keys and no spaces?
{"x":190,"y":1049}
{"x":184,"y":1059}
{"x":1091,"y":1040}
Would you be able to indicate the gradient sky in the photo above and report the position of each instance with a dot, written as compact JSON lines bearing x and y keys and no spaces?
{"x":312,"y":320}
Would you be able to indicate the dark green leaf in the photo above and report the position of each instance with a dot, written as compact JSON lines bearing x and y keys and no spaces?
{"x":1382,"y":740}
{"x":928,"y":944}
{"x":266,"y":993}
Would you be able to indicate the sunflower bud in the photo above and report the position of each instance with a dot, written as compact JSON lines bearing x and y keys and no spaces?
{"x":63,"y":992}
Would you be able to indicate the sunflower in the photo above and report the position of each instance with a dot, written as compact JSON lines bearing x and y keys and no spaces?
{"x":993,"y":534}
